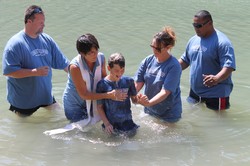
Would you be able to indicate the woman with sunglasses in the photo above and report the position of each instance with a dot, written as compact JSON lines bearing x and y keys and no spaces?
{"x":160,"y":73}
{"x":210,"y":56}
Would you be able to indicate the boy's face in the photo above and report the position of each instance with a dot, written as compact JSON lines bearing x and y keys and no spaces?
{"x":116,"y":72}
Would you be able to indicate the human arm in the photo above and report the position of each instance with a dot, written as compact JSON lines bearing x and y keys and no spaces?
{"x":143,"y":99}
{"x":183,"y":64}
{"x":83,"y":92}
{"x":135,"y":99}
{"x":158,"y":90}
{"x":212,"y":80}
{"x":104,"y":72}
{"x":108,"y":126}
{"x":138,"y":86}
{"x":133,"y":91}
{"x":40,"y":71}
{"x":159,"y":97}
{"x":226,"y":60}
{"x":22,"y":73}
{"x":66,"y":69}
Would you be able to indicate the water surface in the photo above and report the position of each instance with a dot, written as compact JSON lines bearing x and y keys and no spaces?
{"x":202,"y":137}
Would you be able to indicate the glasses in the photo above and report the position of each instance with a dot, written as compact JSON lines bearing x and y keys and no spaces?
{"x":198,"y":26}
{"x":36,"y":10}
{"x":156,"y":48}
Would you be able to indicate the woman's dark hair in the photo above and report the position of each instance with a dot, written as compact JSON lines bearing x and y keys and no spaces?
{"x":85,"y":42}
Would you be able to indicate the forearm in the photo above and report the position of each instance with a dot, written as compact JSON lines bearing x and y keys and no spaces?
{"x":134,"y":99}
{"x":22,"y":73}
{"x":138,"y":86}
{"x":96,"y":96}
{"x":183,"y":64}
{"x":162,"y":95}
{"x":212,"y":80}
{"x":103,"y":115}
{"x":223,"y":74}
{"x":66,"y":69}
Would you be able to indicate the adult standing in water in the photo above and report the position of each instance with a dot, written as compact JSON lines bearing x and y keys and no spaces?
{"x":160,"y":73}
{"x":211,"y":58}
{"x":85,"y":70}
{"x":28,"y":59}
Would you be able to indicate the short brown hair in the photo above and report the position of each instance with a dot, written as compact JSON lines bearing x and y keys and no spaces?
{"x":116,"y":58}
{"x":31,"y":11}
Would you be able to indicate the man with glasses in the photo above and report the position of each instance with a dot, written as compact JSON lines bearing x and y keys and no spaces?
{"x":28,"y":59}
{"x":211,"y":58}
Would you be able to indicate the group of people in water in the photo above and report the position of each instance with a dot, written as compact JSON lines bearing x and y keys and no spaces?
{"x":93,"y":93}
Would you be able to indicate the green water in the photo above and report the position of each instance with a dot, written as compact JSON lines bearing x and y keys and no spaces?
{"x":201,"y":138}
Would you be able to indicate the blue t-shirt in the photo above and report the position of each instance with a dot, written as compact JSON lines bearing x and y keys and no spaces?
{"x":74,"y":106}
{"x":22,"y":51}
{"x":156,"y":76}
{"x":117,"y":111}
{"x":209,"y":56}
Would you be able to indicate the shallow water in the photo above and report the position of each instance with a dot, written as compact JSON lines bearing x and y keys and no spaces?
{"x":201,"y":137}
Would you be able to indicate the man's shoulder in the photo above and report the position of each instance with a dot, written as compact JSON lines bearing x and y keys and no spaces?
{"x":222,"y":38}
{"x":19,"y":35}
{"x":47,"y":37}
{"x":220,"y":35}
{"x":194,"y":38}
{"x":16,"y":39}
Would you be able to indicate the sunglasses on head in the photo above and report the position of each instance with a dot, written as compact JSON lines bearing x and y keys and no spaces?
{"x":32,"y":13}
{"x":36,"y":10}
{"x":197,"y":25}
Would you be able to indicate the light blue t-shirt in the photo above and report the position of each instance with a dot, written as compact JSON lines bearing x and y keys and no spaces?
{"x":21,"y":51}
{"x":74,"y":106}
{"x":209,"y":56}
{"x":164,"y":75}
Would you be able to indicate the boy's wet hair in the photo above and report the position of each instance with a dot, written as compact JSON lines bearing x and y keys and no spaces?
{"x":116,"y":58}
